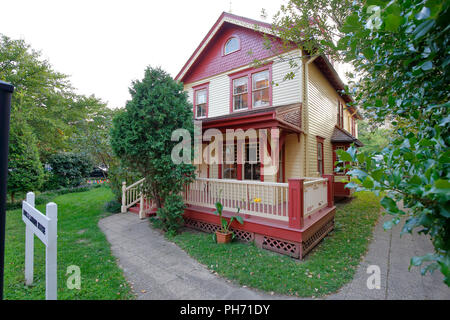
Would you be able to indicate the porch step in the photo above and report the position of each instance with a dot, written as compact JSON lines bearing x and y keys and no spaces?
{"x":136,"y":209}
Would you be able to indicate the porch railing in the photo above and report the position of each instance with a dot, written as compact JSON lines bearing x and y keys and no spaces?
{"x":263,"y":199}
{"x":293,"y":202}
{"x":134,"y":194}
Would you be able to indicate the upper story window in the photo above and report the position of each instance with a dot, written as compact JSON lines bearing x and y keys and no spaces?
{"x":260,"y":87}
{"x":201,"y":101}
{"x":251,"y":89}
{"x":240,"y":93}
{"x":231,"y":45}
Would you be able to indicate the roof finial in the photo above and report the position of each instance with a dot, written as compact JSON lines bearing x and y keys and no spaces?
{"x":230,"y":6}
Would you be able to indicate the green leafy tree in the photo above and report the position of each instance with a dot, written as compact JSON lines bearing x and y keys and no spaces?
{"x":44,"y":98}
{"x":69,"y":169}
{"x":399,"y":52}
{"x":374,"y":138}
{"x":25,"y":169}
{"x":141,"y":134}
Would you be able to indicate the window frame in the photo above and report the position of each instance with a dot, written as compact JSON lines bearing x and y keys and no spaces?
{"x":249,"y":74}
{"x":196,"y":89}
{"x":228,"y":40}
{"x":340,"y":114}
{"x":320,"y":162}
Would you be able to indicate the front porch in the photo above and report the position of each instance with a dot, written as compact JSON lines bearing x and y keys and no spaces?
{"x":290,"y":218}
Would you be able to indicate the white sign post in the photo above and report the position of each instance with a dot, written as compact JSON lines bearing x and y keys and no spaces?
{"x":45,"y":228}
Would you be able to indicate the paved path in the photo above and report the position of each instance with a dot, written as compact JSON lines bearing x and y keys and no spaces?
{"x":158,"y":269}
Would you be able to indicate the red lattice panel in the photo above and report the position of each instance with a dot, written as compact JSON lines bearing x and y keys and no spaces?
{"x":312,"y":241}
{"x":243,"y":235}
{"x":211,"y":228}
{"x":281,"y":246}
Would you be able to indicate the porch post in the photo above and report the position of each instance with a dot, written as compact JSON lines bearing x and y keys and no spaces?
{"x":296,"y":203}
{"x":330,"y":189}
{"x":124,"y":197}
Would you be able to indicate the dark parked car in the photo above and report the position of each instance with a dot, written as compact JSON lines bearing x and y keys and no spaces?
{"x":99,"y":172}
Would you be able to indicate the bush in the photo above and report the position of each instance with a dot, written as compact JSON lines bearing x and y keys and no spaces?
{"x":170,"y":217}
{"x":117,"y":174}
{"x":113,"y":206}
{"x":68,"y":170}
{"x":25,"y":168}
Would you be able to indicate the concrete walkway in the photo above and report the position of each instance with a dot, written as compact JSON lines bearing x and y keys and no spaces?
{"x":158,"y":269}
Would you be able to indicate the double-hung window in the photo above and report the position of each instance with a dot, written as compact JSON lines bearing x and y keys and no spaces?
{"x":320,"y":157}
{"x":201,"y":101}
{"x":251,"y":89}
{"x":260,"y":89}
{"x":240,"y":93}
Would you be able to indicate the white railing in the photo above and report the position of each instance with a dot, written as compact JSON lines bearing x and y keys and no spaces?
{"x":134,"y":194}
{"x":315,"y":195}
{"x":273,"y":204}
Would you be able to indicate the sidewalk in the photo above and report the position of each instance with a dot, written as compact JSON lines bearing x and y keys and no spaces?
{"x":158,"y":269}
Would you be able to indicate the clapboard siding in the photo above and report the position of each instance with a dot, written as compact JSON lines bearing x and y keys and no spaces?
{"x":322,"y":112}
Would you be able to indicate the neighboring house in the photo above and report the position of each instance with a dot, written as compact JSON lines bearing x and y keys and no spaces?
{"x":227,"y":92}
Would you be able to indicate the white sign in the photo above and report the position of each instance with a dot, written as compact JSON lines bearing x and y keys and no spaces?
{"x":45,"y":228}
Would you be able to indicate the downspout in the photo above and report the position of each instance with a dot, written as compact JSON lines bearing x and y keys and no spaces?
{"x":306,"y":110}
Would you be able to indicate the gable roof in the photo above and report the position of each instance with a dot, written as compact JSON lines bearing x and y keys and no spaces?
{"x":225,"y":17}
{"x":343,"y":136}
{"x":322,"y":62}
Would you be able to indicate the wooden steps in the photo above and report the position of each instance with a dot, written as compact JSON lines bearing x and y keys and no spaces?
{"x":136,"y":209}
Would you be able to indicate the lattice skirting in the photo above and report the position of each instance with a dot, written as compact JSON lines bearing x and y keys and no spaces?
{"x":293,"y":249}
{"x":281,"y":246}
{"x":312,"y":241}
{"x":211,"y":228}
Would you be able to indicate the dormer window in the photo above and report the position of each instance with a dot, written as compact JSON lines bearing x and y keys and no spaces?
{"x":231,"y":45}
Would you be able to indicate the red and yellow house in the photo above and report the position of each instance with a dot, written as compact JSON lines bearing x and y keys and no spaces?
{"x":308,"y":115}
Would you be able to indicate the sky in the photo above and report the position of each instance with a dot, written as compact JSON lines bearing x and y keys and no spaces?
{"x":104,"y":45}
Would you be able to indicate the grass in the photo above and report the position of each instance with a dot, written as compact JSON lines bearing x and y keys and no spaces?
{"x":325,"y":270}
{"x":80,"y":242}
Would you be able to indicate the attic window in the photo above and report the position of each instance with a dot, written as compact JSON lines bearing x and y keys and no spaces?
{"x":231,"y":45}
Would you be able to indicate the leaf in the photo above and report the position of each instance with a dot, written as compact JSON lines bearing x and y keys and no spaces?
{"x":239,"y":219}
{"x":392,"y":22}
{"x":344,"y":156}
{"x":423,"y":28}
{"x":427,"y":65}
{"x":423,"y":14}
{"x":389,"y":205}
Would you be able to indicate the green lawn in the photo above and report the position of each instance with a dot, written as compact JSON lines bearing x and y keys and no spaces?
{"x":326,"y":269}
{"x":80,"y":242}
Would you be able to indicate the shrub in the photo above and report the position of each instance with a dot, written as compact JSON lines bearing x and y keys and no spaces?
{"x":113,"y":206}
{"x":117,"y":174}
{"x":68,"y":169}
{"x":170,"y":217}
{"x":25,"y":168}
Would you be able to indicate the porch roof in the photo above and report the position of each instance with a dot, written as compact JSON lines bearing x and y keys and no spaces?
{"x":343,"y":136}
{"x":287,"y":117}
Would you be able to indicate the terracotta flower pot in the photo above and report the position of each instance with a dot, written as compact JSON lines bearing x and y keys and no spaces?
{"x":223,"y":237}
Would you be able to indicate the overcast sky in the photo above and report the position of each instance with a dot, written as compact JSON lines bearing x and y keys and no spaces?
{"x":104,"y":45}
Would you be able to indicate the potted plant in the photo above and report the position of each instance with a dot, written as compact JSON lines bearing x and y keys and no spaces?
{"x":224,"y":235}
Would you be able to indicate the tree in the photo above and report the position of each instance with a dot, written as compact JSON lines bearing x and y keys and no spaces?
{"x":93,"y":135}
{"x":44,"y":98}
{"x":25,"y":168}
{"x":141,"y":134}
{"x":69,"y":169}
{"x":399,"y":51}
{"x":374,"y":139}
